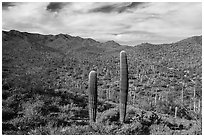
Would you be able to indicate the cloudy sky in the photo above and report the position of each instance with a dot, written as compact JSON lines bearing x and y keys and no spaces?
{"x":127,"y":23}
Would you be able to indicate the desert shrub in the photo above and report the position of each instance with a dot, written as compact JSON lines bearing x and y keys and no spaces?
{"x":105,"y":128}
{"x":9,"y":129}
{"x":6,"y":94}
{"x":130,"y":129}
{"x":144,"y":104}
{"x":31,"y":116}
{"x":148,"y":118}
{"x":103,"y":106}
{"x":65,"y":108}
{"x":58,"y":120}
{"x":8,"y":114}
{"x":109,"y":116}
{"x":196,"y":128}
{"x":162,"y":107}
{"x":7,"y":85}
{"x":79,"y":130}
{"x":132,"y":114}
{"x":160,"y":129}
{"x":49,"y":108}
{"x":32,"y":109}
{"x":142,"y":116}
{"x":48,"y":129}
{"x":79,"y":112}
{"x":14,"y":102}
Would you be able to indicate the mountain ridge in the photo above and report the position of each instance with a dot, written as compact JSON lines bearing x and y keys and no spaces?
{"x":109,"y":42}
{"x":66,"y":45}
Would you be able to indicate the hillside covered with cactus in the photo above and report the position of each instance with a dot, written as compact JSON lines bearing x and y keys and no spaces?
{"x":46,"y":86}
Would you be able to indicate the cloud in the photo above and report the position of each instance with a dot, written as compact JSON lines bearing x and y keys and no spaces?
{"x":117,"y":7}
{"x":6,"y":5}
{"x":126,"y":23}
{"x":105,"y":9}
{"x":56,"y":6}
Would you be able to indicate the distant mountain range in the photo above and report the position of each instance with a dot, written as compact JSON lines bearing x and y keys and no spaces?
{"x":22,"y":50}
{"x":62,"y":42}
{"x":66,"y":43}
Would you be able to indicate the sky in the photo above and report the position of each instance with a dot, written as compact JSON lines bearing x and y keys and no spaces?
{"x":128,"y":23}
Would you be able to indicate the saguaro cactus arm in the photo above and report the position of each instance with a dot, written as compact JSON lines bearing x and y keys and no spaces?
{"x":123,"y":85}
{"x":92,"y":90}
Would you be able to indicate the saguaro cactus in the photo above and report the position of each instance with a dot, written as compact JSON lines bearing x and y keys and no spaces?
{"x":155,"y":99}
{"x":123,"y":85}
{"x":176,"y":110}
{"x":182,"y":92}
{"x":194,"y":100}
{"x":92,"y":89}
{"x":199,"y":106}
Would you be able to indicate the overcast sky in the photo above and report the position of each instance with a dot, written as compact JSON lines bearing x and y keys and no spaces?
{"x":125,"y":23}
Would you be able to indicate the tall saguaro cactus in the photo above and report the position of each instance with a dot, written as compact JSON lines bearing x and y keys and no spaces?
{"x":92,"y":89}
{"x":176,"y":111}
{"x":194,"y":99}
{"x":123,"y":85}
{"x":182,"y":92}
